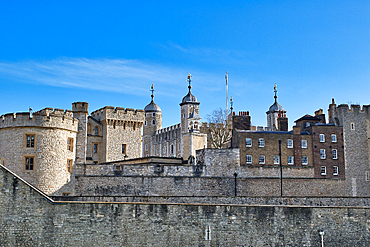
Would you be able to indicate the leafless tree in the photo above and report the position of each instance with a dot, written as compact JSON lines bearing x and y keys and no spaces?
{"x":219,"y":130}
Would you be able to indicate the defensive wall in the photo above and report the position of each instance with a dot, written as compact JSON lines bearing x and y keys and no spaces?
{"x":30,"y":218}
{"x":50,"y":129}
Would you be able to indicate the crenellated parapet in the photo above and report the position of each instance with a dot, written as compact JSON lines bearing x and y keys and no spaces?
{"x":168,"y":129}
{"x":119,"y":113}
{"x":45,"y":118}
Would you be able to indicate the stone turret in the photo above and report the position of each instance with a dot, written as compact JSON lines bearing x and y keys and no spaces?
{"x":273,"y":114}
{"x":81,"y":111}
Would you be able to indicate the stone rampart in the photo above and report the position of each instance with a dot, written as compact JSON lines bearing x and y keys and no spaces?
{"x":30,"y":218}
{"x":119,"y":113}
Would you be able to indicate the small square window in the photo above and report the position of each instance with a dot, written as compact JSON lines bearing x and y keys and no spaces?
{"x":29,"y":141}
{"x":70,"y":144}
{"x":290,"y":160}
{"x":333,"y":138}
{"x":248,"y":159}
{"x":323,"y":170}
{"x":261,"y":159}
{"x":335,"y":154}
{"x":276,"y":160}
{"x":153,"y":114}
{"x":304,"y":143}
{"x":124,"y":148}
{"x":304,"y":160}
{"x":290,"y":143}
{"x":322,"y":138}
{"x":248,"y":142}
{"x":307,"y":124}
{"x":322,"y":154}
{"x":29,"y":163}
{"x":261,"y":142}
{"x":335,"y":170}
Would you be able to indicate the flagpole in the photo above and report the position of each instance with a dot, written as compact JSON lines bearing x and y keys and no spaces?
{"x":227,"y":96}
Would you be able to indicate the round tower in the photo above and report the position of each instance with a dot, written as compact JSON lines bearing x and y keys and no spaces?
{"x":189,"y":110}
{"x":273,"y":113}
{"x":153,"y":122}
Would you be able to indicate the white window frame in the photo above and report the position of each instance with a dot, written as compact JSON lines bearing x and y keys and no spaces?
{"x":247,"y":159}
{"x":304,"y":160}
{"x":335,"y":154}
{"x":303,"y":143}
{"x":260,"y":161}
{"x":322,"y":154}
{"x":276,"y":160}
{"x":352,"y":126}
{"x":261,"y":143}
{"x":290,"y":160}
{"x":335,"y":171}
{"x":333,"y":138}
{"x":246,"y":142}
{"x":322,"y":138}
{"x":289,"y":143}
{"x":323,"y":171}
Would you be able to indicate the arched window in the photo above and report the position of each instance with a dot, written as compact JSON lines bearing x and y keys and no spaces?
{"x":153,"y":122}
{"x":96,"y":130}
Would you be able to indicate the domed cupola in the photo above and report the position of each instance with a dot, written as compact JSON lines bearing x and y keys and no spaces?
{"x":274,"y":112}
{"x":189,"y":98}
{"x":276,"y":107}
{"x":152,"y":107}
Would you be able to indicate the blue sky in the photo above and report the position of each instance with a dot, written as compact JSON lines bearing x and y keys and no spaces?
{"x":109,"y":53}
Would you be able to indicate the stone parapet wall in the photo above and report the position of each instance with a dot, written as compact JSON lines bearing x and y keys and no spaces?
{"x":28,"y":217}
{"x":205,"y":186}
{"x":119,"y":113}
{"x":46,"y":118}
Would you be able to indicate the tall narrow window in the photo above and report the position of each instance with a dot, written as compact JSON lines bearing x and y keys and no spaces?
{"x":304,"y":160}
{"x":248,"y":142}
{"x":322,"y":154}
{"x":352,"y":126}
{"x":261,"y":159}
{"x":261,"y":142}
{"x":335,"y":170}
{"x":322,"y":138}
{"x":304,"y":143}
{"x":146,"y":147}
{"x":208,"y":233}
{"x":323,"y":170}
{"x":30,"y":141}
{"x":153,"y":122}
{"x":69,"y":165}
{"x":335,"y":154}
{"x":276,"y":160}
{"x":96,"y":130}
{"x":70,"y":144}
{"x":333,"y":138}
{"x":171,"y":149}
{"x":95,"y":148}
{"x":290,"y":143}
{"x":290,"y":160}
{"x":248,"y":159}
{"x":124,"y":148}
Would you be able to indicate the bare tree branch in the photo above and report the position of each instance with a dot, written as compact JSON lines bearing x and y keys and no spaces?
{"x":219,"y":128}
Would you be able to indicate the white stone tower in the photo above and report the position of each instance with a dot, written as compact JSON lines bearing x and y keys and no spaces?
{"x":153,"y":122}
{"x":189,"y":109}
{"x":273,"y":113}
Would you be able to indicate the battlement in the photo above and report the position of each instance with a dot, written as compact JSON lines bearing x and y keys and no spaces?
{"x":354,"y":108}
{"x":119,"y":113}
{"x":168,"y":129}
{"x":47,"y":117}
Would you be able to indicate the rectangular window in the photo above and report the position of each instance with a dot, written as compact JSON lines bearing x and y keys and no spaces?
{"x":333,"y":138}
{"x":124,"y":148}
{"x":153,"y":114}
{"x":335,"y":170}
{"x":29,"y":163}
{"x":322,"y":154}
{"x":248,"y":159}
{"x":323,"y":170}
{"x":248,"y":142}
{"x":70,"y":144}
{"x":261,"y":159}
{"x":290,"y":143}
{"x":335,"y":154}
{"x":304,"y":143}
{"x":352,"y":126}
{"x":322,"y":138}
{"x":290,"y":160}
{"x":95,"y":148}
{"x":30,"y":141}
{"x":261,"y":142}
{"x":146,"y":147}
{"x":69,"y":165}
{"x":276,"y":160}
{"x":304,"y":160}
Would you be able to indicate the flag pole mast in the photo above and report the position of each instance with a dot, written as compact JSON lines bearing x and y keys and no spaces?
{"x":227,"y":96}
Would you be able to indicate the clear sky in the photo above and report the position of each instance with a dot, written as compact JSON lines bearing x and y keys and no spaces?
{"x":53,"y":53}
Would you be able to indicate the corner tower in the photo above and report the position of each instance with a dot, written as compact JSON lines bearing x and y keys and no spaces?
{"x":189,"y":110}
{"x":275,"y":111}
{"x":153,"y":122}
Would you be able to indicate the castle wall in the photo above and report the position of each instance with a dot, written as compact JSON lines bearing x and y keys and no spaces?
{"x":51,"y":130}
{"x":28,"y":217}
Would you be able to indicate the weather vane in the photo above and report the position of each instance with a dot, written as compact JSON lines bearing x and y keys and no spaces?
{"x":189,"y":80}
{"x":152,"y":90}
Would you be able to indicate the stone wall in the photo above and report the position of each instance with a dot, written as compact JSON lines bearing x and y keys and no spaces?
{"x":30,"y":218}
